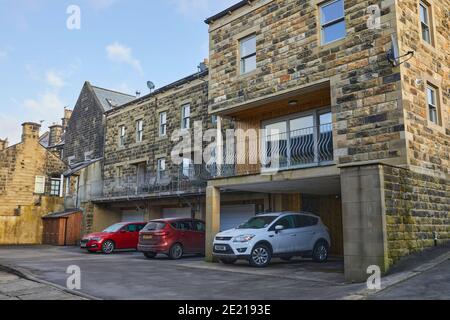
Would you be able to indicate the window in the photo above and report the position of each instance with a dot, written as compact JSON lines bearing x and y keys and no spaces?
{"x":182,"y":225}
{"x":187,"y":167}
{"x":425,"y":22}
{"x":161,"y":168}
{"x":287,"y":222}
{"x":186,"y":117}
{"x":88,"y":156}
{"x":122,"y":133}
{"x":199,"y":226}
{"x":214,"y":119}
{"x":332,"y":21}
{"x":306,"y":221}
{"x":39,"y":185}
{"x":71,"y":160}
{"x":247,"y":47}
{"x":139,"y":130}
{"x":433,"y":105}
{"x":162,"y":124}
{"x":55,"y":187}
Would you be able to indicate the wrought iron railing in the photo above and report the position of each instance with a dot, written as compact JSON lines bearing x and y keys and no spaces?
{"x":275,"y":152}
{"x":186,"y":179}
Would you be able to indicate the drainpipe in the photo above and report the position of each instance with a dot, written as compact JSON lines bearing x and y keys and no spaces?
{"x":436,"y":238}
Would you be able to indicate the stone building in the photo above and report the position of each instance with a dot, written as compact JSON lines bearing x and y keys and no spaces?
{"x":30,"y":187}
{"x":54,"y":139}
{"x":358,"y":95}
{"x":84,"y":145}
{"x":142,"y":181}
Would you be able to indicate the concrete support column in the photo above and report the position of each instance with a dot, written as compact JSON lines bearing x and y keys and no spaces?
{"x":212,"y":219}
{"x":364,"y":220}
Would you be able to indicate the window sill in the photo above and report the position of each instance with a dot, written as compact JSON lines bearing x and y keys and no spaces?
{"x":332,"y":44}
{"x":436,"y":127}
{"x":248,"y":74}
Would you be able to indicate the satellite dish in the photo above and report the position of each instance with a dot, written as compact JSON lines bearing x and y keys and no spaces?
{"x":393,"y":55}
{"x":150,"y":85}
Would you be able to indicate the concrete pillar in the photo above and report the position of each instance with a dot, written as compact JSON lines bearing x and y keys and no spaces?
{"x":212,"y":219}
{"x":364,"y":220}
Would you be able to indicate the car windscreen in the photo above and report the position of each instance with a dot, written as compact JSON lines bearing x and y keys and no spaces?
{"x":154,"y":226}
{"x":114,"y":228}
{"x":258,"y":222}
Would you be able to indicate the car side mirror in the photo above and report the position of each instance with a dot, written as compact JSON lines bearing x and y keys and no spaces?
{"x":279,"y":228}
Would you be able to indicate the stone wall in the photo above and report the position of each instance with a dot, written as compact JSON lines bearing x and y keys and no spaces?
{"x":417,"y":205}
{"x":428,"y":144}
{"x":153,"y":146}
{"x":85,"y":129}
{"x":365,"y":88}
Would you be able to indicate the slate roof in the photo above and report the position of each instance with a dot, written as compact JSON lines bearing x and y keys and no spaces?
{"x":110,"y":99}
{"x":227,"y":11}
{"x":61,"y":214}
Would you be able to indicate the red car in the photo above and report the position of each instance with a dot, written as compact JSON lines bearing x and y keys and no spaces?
{"x":173,"y":237}
{"x":119,"y":236}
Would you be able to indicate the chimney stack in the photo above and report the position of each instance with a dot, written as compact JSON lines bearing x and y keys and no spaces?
{"x":30,"y":131}
{"x":3,"y":144}
{"x":56,"y":132}
{"x":67,"y":116}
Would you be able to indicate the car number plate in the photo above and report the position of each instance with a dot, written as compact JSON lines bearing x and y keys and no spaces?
{"x":221,"y":248}
{"x":83,"y":245}
{"x":148,"y":237}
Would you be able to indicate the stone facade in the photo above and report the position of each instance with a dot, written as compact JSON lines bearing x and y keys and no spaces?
{"x":417,"y":211}
{"x":85,"y":129}
{"x":365,"y":88}
{"x":153,"y":146}
{"x":20,"y":206}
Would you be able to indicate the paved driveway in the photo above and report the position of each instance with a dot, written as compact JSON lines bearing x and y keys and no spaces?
{"x":129,"y":275}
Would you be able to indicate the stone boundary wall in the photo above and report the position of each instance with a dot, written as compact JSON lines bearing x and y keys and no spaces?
{"x":417,"y":206}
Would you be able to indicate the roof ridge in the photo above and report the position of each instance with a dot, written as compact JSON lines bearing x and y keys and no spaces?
{"x":113,"y":91}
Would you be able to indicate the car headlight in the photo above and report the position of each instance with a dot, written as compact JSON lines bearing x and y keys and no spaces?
{"x":96,"y":239}
{"x":244,"y":238}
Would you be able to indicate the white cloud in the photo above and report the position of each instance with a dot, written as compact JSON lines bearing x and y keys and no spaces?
{"x":10,"y":128}
{"x":47,"y":102}
{"x":54,"y":79}
{"x":122,"y":54}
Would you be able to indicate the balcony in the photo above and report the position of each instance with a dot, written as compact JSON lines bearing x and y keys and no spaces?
{"x":177,"y":181}
{"x":274,"y":152}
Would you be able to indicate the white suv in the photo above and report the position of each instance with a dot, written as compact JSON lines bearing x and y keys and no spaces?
{"x":283,"y":235}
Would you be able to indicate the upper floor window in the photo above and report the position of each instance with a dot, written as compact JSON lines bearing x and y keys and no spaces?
{"x":139,"y":130}
{"x":332,"y":21}
{"x":247,"y":49}
{"x":39,"y":185}
{"x":425,"y":21}
{"x":433,"y":105}
{"x":162,"y":124}
{"x":55,"y":187}
{"x":161,"y":169}
{"x":122,"y":133}
{"x":186,"y":117}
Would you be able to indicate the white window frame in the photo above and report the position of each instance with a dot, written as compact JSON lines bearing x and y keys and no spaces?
{"x":163,"y":124}
{"x":186,"y":117}
{"x":425,"y":25}
{"x":139,"y":130}
{"x":122,"y":134}
{"x":161,"y":167}
{"x":324,"y":25}
{"x":52,"y":180}
{"x":243,"y":59}
{"x":39,"y":184}
{"x":436,"y":119}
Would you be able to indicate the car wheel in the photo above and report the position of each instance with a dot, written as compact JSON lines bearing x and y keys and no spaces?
{"x":286,"y":258}
{"x":150,"y":255}
{"x":228,"y":261}
{"x":260,"y":256}
{"x":108,"y":247}
{"x":176,"y":252}
{"x":320,"y":252}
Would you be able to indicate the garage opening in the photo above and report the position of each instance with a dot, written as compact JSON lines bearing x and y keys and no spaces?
{"x":329,"y":208}
{"x":176,"y":213}
{"x":132,"y":216}
{"x":234,"y":215}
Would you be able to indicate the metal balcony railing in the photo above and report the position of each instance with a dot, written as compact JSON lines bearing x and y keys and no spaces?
{"x":296,"y":149}
{"x":187,"y":179}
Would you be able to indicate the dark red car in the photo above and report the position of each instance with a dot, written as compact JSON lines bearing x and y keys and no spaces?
{"x":119,"y":236}
{"x":173,"y":237}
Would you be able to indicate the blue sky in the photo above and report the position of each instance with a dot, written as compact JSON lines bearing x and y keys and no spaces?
{"x":121,"y":45}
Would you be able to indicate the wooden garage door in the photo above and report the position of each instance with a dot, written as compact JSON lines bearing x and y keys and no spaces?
{"x":329,"y":208}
